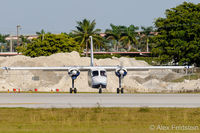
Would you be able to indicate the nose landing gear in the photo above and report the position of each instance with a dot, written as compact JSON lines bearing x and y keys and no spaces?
{"x":100,"y":89}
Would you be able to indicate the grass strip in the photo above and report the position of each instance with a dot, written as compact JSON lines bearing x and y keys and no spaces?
{"x":98,"y":120}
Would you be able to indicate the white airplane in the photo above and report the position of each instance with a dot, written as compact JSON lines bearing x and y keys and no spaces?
{"x":97,"y":77}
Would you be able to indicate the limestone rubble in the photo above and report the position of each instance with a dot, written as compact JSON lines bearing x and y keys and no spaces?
{"x":137,"y":81}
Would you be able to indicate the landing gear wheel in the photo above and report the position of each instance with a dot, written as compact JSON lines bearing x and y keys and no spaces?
{"x":100,"y":90}
{"x":70,"y":90}
{"x":118,"y":90}
{"x":122,"y":90}
{"x":75,"y":90}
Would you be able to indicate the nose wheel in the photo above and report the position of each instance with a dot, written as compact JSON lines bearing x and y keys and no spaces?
{"x":100,"y":89}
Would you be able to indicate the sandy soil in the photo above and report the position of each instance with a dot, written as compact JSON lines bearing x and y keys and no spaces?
{"x":137,"y":81}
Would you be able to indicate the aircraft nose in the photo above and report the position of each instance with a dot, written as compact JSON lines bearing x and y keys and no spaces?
{"x":99,"y":80}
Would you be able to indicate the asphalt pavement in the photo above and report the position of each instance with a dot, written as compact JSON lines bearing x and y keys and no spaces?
{"x":84,"y":100}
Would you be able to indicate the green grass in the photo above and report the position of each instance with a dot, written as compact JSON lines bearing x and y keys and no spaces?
{"x":97,"y":120}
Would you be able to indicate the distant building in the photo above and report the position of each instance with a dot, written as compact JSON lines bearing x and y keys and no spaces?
{"x":12,"y":42}
{"x":29,"y":37}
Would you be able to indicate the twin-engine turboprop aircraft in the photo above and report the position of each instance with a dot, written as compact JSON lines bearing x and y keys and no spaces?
{"x":97,"y":77}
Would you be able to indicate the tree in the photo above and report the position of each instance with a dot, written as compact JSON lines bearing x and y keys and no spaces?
{"x":129,"y":36}
{"x":178,"y":40}
{"x":115,"y":34}
{"x":2,"y":38}
{"x":24,"y":42}
{"x":85,"y":29}
{"x":146,"y":33}
{"x":42,"y":33}
{"x":3,"y":42}
{"x":51,"y":44}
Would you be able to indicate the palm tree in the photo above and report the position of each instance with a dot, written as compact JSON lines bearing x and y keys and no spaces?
{"x":146,"y":33}
{"x":42,"y":32}
{"x":129,"y":36}
{"x":85,"y":29}
{"x":115,"y":34}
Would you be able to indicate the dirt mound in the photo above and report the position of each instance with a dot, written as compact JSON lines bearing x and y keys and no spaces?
{"x":136,"y":81}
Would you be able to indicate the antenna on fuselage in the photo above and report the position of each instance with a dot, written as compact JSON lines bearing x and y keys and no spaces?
{"x":91,"y":52}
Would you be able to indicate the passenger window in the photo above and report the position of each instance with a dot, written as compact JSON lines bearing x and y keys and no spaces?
{"x":95,"y":73}
{"x":103,"y":73}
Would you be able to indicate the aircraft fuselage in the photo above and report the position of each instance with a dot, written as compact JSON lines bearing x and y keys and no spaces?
{"x":97,"y":78}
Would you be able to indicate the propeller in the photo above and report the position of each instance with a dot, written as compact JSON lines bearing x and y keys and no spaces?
{"x":121,"y":71}
{"x":74,"y":73}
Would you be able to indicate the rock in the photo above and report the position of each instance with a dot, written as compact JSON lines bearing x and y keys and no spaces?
{"x":135,"y":81}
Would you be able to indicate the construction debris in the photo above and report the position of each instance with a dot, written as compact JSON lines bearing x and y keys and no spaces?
{"x":137,"y":81}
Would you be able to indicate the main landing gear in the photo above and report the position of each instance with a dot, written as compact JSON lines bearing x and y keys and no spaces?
{"x":120,"y":89}
{"x":73,"y":74}
{"x":120,"y":73}
{"x":73,"y":89}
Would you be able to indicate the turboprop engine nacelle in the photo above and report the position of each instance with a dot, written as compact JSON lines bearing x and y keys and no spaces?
{"x":73,"y":73}
{"x":121,"y":72}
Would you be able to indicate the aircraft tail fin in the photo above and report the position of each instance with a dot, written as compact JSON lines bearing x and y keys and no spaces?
{"x":91,"y":52}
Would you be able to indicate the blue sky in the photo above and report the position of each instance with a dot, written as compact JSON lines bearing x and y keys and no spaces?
{"x":61,"y":15}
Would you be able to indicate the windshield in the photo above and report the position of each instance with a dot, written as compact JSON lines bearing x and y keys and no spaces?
{"x":95,"y":73}
{"x":103,"y":73}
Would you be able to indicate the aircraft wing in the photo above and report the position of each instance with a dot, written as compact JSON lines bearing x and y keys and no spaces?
{"x":157,"y":67}
{"x":86,"y":68}
{"x":145,"y":68}
{"x":65,"y":68}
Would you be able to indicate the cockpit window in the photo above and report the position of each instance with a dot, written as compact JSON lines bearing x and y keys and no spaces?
{"x":103,"y":73}
{"x":95,"y":73}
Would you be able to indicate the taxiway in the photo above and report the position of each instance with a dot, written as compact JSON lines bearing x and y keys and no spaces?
{"x":59,"y":100}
